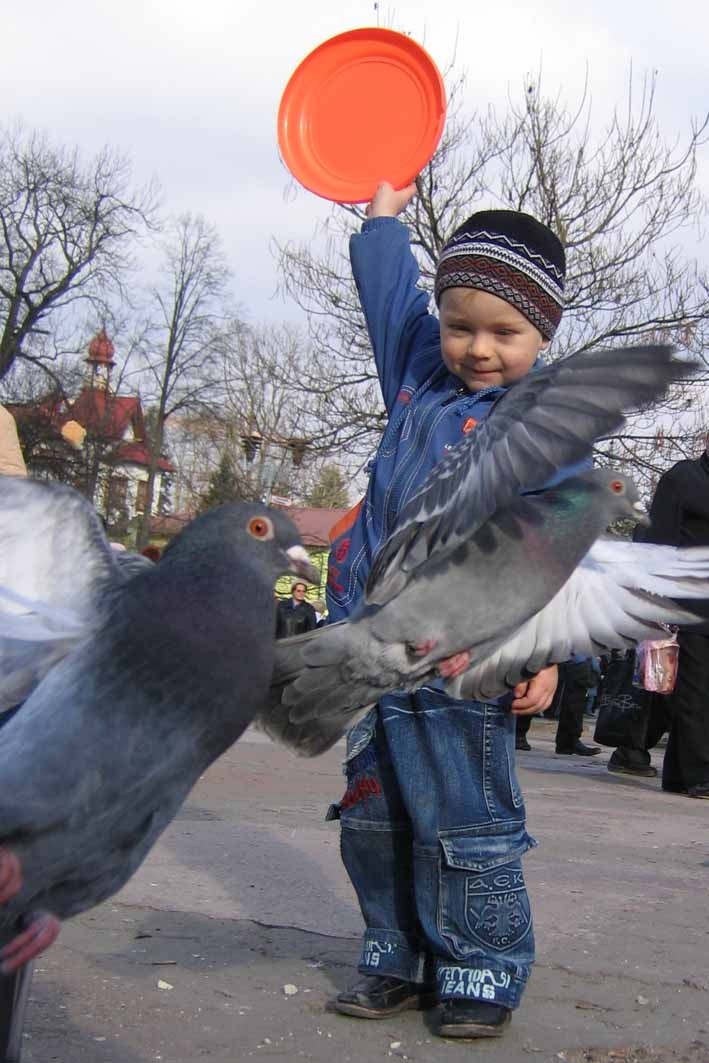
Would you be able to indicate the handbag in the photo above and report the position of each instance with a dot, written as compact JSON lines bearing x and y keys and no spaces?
{"x":623,"y":708}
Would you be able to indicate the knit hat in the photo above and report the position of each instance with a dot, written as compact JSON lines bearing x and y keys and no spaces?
{"x":510,"y":255}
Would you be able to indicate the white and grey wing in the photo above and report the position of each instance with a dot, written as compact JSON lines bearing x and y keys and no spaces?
{"x":545,"y":422}
{"x":621,"y":593}
{"x":55,"y":569}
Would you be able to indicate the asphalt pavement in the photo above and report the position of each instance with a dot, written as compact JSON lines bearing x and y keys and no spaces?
{"x":231,"y":939}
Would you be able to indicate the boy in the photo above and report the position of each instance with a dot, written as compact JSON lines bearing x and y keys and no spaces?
{"x":433,"y":819}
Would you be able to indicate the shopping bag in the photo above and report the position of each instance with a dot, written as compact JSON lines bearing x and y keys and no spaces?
{"x":623,"y":709}
{"x":656,"y":664}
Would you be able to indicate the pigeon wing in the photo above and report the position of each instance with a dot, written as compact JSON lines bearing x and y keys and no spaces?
{"x":546,"y":421}
{"x":621,"y":593}
{"x":55,"y":569}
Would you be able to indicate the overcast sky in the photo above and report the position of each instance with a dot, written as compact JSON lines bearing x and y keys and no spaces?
{"x":190,"y":91}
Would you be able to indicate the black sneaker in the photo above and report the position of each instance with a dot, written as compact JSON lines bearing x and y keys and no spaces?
{"x":630,"y":769}
{"x":701,"y":790}
{"x":473,"y":1018}
{"x":579,"y":749}
{"x":522,"y":743}
{"x":626,"y":761}
{"x":377,"y":997}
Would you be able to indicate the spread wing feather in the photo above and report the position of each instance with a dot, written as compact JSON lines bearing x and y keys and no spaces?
{"x":621,"y":593}
{"x":546,"y":421}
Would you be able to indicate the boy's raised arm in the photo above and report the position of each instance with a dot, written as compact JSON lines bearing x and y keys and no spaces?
{"x":402,"y":331}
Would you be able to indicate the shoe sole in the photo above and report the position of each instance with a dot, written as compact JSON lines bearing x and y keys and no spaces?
{"x":473,"y":1030}
{"x":643,"y":773}
{"x":361,"y":1011}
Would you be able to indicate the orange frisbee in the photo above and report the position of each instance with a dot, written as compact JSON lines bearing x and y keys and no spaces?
{"x":366,"y":106}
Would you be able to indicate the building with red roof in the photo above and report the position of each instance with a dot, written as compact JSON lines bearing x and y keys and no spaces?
{"x":100,"y":436}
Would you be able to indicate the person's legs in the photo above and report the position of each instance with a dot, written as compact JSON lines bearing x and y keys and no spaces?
{"x":523,"y":723}
{"x":634,"y":758}
{"x":575,"y":679}
{"x":454,"y":761}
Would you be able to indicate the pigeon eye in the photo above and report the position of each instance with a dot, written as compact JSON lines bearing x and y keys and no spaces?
{"x":260,"y":528}
{"x":617,"y":487}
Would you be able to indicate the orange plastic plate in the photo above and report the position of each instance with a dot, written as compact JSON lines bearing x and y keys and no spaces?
{"x":365,"y":106}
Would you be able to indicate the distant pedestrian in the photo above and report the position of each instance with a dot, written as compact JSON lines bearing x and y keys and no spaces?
{"x":295,"y":615}
{"x":679,"y":516}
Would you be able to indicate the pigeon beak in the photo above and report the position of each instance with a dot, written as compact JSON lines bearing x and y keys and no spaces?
{"x":641,"y":514}
{"x":300,"y":564}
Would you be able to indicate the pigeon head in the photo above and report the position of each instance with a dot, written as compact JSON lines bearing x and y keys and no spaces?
{"x":264,"y":536}
{"x":622,"y":498}
{"x":277,"y":536}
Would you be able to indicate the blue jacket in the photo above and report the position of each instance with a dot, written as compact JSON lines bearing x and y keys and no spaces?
{"x":429,"y":410}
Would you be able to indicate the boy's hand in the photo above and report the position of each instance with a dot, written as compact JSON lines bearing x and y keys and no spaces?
{"x":536,"y":695}
{"x":388,"y":201}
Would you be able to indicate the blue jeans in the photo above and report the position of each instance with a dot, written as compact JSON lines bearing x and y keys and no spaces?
{"x":433,"y":829}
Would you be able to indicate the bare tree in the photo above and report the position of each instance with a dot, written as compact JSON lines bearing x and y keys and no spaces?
{"x":66,"y":233}
{"x":261,"y":440}
{"x":624,"y":201}
{"x":188,"y":326}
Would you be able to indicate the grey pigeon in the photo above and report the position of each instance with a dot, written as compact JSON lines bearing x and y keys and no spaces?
{"x":160,"y":674}
{"x":472,"y":563}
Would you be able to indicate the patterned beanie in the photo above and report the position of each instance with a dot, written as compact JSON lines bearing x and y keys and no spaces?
{"x":513,"y":256}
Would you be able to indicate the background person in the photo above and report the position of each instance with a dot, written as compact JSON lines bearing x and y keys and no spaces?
{"x":679,"y":516}
{"x":295,"y":615}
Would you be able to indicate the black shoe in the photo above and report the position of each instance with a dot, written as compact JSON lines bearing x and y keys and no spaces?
{"x":701,"y":790}
{"x":377,"y":997}
{"x":579,"y":749}
{"x":473,"y":1018}
{"x":621,"y":764}
{"x":522,"y":743}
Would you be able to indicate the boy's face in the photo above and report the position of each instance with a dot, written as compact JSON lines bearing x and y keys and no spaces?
{"x":485,"y":341}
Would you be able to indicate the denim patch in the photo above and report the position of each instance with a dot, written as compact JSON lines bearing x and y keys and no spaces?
{"x":483,"y":906}
{"x":497,"y":911}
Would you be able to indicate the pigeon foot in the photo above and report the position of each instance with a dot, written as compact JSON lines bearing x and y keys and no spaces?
{"x":421,"y":649}
{"x":42,"y":931}
{"x":10,"y":875}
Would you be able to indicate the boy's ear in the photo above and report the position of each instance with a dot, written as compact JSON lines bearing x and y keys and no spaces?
{"x":544,"y":346}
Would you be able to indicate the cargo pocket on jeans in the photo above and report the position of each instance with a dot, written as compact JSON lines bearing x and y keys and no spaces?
{"x":483,"y":908}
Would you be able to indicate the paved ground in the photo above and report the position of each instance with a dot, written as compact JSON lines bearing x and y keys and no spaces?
{"x":245,"y":895}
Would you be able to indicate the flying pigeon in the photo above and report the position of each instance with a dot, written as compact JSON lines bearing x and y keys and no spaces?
{"x":473,"y":565}
{"x":134,"y":684}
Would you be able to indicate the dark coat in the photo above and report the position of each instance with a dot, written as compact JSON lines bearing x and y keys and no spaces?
{"x":679,"y":515}
{"x":294,"y":618}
